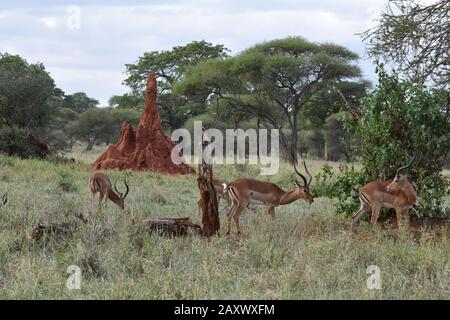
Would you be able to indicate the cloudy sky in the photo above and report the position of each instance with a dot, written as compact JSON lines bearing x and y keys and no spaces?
{"x":86,"y":44}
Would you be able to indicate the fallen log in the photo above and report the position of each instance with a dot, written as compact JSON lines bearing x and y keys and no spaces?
{"x":172,"y":226}
{"x":61,"y":230}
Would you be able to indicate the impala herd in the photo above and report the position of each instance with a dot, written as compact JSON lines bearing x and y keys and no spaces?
{"x":397,"y":194}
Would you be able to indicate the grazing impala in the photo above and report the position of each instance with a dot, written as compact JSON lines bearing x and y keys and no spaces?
{"x":4,"y":199}
{"x":249,"y":191}
{"x":100,"y":183}
{"x":397,"y":194}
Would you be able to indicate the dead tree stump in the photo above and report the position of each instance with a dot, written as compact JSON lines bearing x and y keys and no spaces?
{"x":208,"y":199}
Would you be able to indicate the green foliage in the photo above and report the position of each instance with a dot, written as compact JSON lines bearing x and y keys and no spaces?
{"x":341,"y":186}
{"x":336,"y":138}
{"x":66,"y":181}
{"x":93,"y":126}
{"x":28,"y":99}
{"x":79,"y":102}
{"x":14,"y":141}
{"x":272,"y":81}
{"x":414,"y":36}
{"x":121,"y":115}
{"x":169,"y":67}
{"x":127,"y":101}
{"x":398,"y":120}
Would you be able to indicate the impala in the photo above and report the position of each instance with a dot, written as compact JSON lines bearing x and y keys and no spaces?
{"x":249,"y":191}
{"x":4,"y":199}
{"x":398,"y":194}
{"x":100,"y":183}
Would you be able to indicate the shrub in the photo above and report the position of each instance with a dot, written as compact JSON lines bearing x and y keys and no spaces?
{"x":396,"y":121}
{"x":66,"y":181}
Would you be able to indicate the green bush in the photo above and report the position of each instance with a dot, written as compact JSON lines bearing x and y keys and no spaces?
{"x":14,"y":141}
{"x":66,"y":181}
{"x":396,"y":121}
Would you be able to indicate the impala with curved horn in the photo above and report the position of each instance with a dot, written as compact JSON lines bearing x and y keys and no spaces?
{"x":4,"y":200}
{"x":398,"y":194}
{"x":100,"y":183}
{"x":249,"y":191}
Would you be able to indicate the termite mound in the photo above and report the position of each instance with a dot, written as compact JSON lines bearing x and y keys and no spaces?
{"x":147,"y":148}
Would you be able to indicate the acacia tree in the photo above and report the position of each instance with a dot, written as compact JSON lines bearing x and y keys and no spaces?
{"x":93,"y":126}
{"x":169,"y":67}
{"x":273,"y":81}
{"x":415,"y":37}
{"x":79,"y":102}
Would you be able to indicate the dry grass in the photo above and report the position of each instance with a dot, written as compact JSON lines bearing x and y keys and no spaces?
{"x":308,"y":253}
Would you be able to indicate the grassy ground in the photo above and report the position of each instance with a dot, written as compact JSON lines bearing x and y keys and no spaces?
{"x":308,"y":253}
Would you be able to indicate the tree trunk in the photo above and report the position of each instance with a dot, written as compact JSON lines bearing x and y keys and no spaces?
{"x":90,"y":145}
{"x":208,"y":199}
{"x":257,"y":136}
{"x":294,"y":144}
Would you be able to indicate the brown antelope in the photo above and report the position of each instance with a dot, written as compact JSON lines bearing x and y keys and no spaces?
{"x":100,"y":183}
{"x":4,"y":200}
{"x":397,"y":194}
{"x":249,"y":191}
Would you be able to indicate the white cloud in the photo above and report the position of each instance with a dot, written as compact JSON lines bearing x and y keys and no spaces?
{"x":93,"y":58}
{"x":49,"y":22}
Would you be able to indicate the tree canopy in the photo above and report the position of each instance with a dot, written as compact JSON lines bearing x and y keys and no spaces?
{"x":273,"y":81}
{"x":416,"y":38}
{"x":169,"y":67}
{"x":27,"y":104}
{"x":79,"y":102}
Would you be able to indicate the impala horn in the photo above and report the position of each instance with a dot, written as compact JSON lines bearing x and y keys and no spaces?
{"x":405,"y":167}
{"x":126,"y":186}
{"x":307,"y":171}
{"x":301,"y":176}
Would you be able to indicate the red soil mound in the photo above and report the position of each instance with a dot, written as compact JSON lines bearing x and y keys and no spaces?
{"x":147,"y":148}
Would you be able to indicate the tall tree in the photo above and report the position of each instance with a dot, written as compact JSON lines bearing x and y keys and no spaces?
{"x":274,"y":81}
{"x":415,"y":37}
{"x":27,"y":105}
{"x":169,"y":67}
{"x":93,"y":126}
{"x":79,"y":102}
{"x":127,"y":101}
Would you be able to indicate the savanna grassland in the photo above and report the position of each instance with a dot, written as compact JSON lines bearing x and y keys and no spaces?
{"x":307,"y":253}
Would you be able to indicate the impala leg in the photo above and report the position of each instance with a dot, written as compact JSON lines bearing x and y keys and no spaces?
{"x":230,"y":215}
{"x":362,"y":209}
{"x":399,"y":213}
{"x":271,"y":212}
{"x":100,"y":199}
{"x":237,"y":215}
{"x":375,"y":214}
{"x":92,"y":200}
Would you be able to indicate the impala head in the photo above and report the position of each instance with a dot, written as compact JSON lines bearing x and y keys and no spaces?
{"x":303,"y":189}
{"x":122,"y":196}
{"x":4,"y":199}
{"x":400,"y":181}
